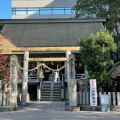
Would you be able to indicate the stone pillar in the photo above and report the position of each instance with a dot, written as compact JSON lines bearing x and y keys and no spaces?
{"x":13,"y":82}
{"x":19,"y":69}
{"x":66,"y":72}
{"x":72,"y":88}
{"x":25,"y":78}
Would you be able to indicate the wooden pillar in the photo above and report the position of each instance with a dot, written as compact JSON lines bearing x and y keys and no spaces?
{"x":19,"y":93}
{"x":25,"y":78}
{"x":38,"y":86}
{"x":85,"y":71}
{"x":13,"y":82}
{"x":0,"y":92}
{"x":66,"y":88}
{"x":38,"y":70}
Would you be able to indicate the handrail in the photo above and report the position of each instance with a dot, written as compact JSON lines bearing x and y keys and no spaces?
{"x":77,"y":77}
{"x":41,"y":82}
{"x":33,"y":77}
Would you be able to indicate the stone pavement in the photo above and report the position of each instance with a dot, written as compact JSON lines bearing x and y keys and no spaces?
{"x":55,"y":111}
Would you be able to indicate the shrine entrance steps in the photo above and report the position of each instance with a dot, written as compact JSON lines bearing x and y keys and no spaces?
{"x":51,"y":91}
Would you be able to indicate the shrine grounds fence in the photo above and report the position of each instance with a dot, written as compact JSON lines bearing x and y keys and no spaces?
{"x":83,"y":98}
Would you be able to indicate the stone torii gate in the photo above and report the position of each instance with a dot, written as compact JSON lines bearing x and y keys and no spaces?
{"x":70,"y":72}
{"x":72,"y":90}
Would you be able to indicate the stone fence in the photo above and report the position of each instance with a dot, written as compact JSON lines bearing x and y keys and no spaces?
{"x":83,"y":98}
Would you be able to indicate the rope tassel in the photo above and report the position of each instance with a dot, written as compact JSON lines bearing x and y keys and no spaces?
{"x":41,"y":73}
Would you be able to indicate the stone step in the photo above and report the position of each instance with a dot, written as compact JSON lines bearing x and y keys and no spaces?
{"x":48,"y":96}
{"x":51,"y":87}
{"x":51,"y":91}
{"x":52,"y":95}
{"x":58,"y":97}
{"x":50,"y":99}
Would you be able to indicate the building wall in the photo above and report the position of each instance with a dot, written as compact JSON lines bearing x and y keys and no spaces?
{"x":41,"y":16}
{"x":43,"y":4}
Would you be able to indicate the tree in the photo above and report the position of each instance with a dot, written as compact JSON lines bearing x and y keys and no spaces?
{"x":95,"y":53}
{"x":109,"y":9}
{"x":4,"y":67}
{"x":4,"y":64}
{"x":4,"y":72}
{"x":1,"y":26}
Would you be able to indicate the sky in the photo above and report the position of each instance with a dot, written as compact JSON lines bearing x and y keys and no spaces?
{"x":5,"y":9}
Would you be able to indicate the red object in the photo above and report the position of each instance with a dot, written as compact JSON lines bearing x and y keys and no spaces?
{"x":4,"y":64}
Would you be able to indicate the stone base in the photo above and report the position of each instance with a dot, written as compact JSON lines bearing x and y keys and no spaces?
{"x":73,"y":108}
{"x":6,"y":109}
{"x":90,"y":108}
{"x":27,"y":98}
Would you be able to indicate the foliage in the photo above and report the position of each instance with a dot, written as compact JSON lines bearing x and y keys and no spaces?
{"x":4,"y":68}
{"x":95,"y":53}
{"x":1,"y":26}
{"x":100,"y":8}
{"x":4,"y":64}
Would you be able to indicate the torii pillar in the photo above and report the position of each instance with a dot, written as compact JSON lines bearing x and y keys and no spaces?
{"x":13,"y":82}
{"x":72,"y":88}
{"x":25,"y":78}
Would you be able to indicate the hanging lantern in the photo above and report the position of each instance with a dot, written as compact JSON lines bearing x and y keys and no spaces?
{"x":58,"y":75}
{"x":41,"y":73}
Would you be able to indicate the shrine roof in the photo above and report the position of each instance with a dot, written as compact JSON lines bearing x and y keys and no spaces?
{"x":49,"y":32}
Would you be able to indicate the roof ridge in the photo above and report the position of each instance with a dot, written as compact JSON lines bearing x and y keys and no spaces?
{"x":61,"y":20}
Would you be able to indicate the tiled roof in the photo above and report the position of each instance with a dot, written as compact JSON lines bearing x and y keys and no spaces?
{"x":49,"y":32}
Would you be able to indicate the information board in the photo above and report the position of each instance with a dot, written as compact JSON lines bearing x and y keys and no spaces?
{"x":104,"y":99}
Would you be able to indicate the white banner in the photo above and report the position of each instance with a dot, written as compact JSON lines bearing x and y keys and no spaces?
{"x":93,"y":92}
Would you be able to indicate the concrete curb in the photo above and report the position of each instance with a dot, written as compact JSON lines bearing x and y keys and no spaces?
{"x":98,"y":108}
{"x":73,"y":108}
{"x":91,"y":108}
{"x":19,"y":107}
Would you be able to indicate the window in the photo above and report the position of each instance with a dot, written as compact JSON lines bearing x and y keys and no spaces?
{"x":42,"y":11}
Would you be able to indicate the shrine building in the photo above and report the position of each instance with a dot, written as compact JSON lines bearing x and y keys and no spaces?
{"x":48,"y":41}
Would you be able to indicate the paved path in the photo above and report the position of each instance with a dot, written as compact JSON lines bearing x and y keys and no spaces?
{"x":56,"y":111}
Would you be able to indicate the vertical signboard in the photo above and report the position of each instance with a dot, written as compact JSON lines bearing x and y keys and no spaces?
{"x":93,"y":92}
